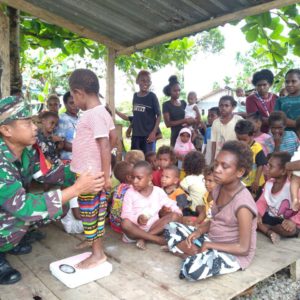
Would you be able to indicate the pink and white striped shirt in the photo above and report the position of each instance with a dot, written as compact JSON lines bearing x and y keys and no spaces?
{"x":93,"y":124}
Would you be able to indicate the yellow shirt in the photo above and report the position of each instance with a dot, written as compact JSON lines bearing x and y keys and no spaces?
{"x":259,"y":159}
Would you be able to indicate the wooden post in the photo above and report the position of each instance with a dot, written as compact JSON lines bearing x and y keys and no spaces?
{"x":110,"y":79}
{"x":4,"y":56}
{"x":14,"y":45}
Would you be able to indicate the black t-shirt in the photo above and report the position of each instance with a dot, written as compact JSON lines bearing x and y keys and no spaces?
{"x":176,"y":113}
{"x":145,"y":112}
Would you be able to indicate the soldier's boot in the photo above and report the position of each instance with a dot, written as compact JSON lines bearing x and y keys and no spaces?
{"x":8,"y":275}
{"x":22,"y":248}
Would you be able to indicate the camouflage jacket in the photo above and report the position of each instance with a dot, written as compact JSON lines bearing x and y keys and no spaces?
{"x":18,"y":209}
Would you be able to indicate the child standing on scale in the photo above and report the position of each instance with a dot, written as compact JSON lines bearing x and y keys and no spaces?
{"x":142,"y":208}
{"x":227,"y":242}
{"x":91,"y":152}
{"x":276,"y":216}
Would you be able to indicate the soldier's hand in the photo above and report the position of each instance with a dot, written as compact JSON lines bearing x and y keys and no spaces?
{"x":88,"y":183}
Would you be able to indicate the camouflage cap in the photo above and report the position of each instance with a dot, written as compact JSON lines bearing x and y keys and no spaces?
{"x":14,"y":108}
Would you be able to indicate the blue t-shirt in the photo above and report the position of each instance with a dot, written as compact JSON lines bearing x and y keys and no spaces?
{"x":66,"y":129}
{"x":207,"y":135}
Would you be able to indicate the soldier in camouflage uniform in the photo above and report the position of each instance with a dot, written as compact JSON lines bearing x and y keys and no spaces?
{"x":19,"y":164}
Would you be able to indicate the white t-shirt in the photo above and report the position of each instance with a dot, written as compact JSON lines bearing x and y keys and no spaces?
{"x":69,"y":222}
{"x":296,"y":157}
{"x":189,"y":111}
{"x":221,"y":133}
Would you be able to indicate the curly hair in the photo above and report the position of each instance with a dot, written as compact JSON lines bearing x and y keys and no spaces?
{"x":143,"y":165}
{"x":244,"y":127}
{"x":172,"y":81}
{"x":122,"y":170}
{"x":283,"y":156}
{"x":208,"y":170}
{"x":263,"y":74}
{"x":174,"y":169}
{"x":228,"y":98}
{"x":166,"y":150}
{"x":48,"y":114}
{"x":142,"y":73}
{"x":194,"y":163}
{"x":256,"y":116}
{"x":293,"y":71}
{"x":86,"y":80}
{"x":243,"y":154}
{"x":277,"y":116}
{"x":134,"y":156}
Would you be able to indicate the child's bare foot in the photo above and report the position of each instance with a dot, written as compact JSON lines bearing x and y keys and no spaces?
{"x":82,"y":245}
{"x":160,"y":240}
{"x":91,"y":262}
{"x":141,"y":244}
{"x":164,"y":248}
{"x":274,"y":237}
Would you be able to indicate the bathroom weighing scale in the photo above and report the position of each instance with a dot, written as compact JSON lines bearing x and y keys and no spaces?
{"x":65,"y":271}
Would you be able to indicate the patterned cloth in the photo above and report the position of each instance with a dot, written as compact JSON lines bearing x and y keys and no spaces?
{"x":48,"y":147}
{"x":19,"y":209}
{"x":66,"y":129}
{"x":202,"y":265}
{"x":289,"y":142}
{"x":93,"y":212}
{"x":116,"y":207}
{"x":16,"y":108}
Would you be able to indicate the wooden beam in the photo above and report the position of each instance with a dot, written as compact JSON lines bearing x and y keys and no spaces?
{"x":62,"y":22}
{"x":110,"y":79}
{"x":238,"y":15}
{"x":4,"y":56}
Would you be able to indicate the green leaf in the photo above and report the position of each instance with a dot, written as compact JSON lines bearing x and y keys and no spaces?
{"x":266,"y":19}
{"x":277,"y":31}
{"x":252,"y":34}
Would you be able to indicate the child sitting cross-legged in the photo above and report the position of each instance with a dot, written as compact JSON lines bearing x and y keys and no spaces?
{"x":193,"y":183}
{"x":123,"y":173}
{"x":170,"y":184}
{"x":276,"y":216}
{"x":227,"y":242}
{"x":143,"y":204}
{"x":165,"y":158}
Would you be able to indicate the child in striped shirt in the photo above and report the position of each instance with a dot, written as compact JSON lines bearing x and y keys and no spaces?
{"x":91,"y":153}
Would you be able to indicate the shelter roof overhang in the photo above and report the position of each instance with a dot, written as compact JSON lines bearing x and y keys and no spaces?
{"x":132,"y":25}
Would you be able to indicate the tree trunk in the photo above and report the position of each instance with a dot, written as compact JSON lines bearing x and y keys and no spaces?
{"x":14,"y":43}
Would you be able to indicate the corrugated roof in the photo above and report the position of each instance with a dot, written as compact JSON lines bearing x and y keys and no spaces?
{"x":129,"y":23}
